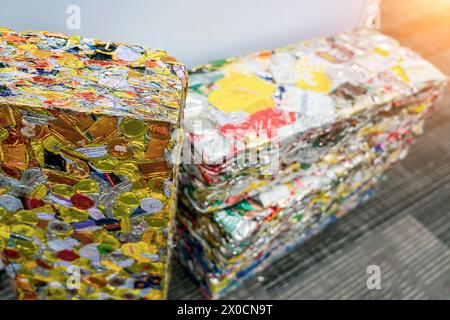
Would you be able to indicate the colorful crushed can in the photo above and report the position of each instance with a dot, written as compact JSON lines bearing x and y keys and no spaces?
{"x":89,"y":147}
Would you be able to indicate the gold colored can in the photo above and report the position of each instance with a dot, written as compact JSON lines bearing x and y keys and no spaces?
{"x":78,"y":168}
{"x":26,"y":216}
{"x":120,"y":147}
{"x":122,"y":211}
{"x":63,"y":190}
{"x":55,"y":293}
{"x":71,"y":214}
{"x":24,"y":230}
{"x":156,"y":184}
{"x":87,"y":186}
{"x":109,"y":240}
{"x":27,"y":248}
{"x":125,"y":225}
{"x":133,"y":128}
{"x":102,"y":129}
{"x":128,"y":199}
{"x":105,"y":165}
{"x":15,"y":155}
{"x":3,"y":134}
{"x":39,"y":192}
{"x":157,"y":224}
{"x":52,"y":144}
{"x":65,"y":129}
{"x":2,"y":244}
{"x":7,"y":118}
{"x":156,"y":147}
{"x":160,"y":128}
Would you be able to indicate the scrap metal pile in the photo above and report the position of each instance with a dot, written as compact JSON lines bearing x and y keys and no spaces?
{"x":280,"y":143}
{"x":88,"y":152}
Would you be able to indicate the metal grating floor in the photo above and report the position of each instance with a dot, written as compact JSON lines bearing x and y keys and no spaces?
{"x":404,"y":229}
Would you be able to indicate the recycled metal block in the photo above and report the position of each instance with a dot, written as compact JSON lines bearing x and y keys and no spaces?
{"x":89,"y":146}
{"x":286,"y":141}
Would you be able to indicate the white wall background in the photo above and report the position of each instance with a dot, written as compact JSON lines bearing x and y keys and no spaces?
{"x":194,"y":31}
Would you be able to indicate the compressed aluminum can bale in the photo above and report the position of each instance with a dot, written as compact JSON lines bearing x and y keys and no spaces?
{"x":286,"y":141}
{"x":89,"y":147}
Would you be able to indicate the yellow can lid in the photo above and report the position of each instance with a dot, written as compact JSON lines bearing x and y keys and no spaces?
{"x":133,"y":128}
{"x":63,"y":190}
{"x":87,"y":186}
